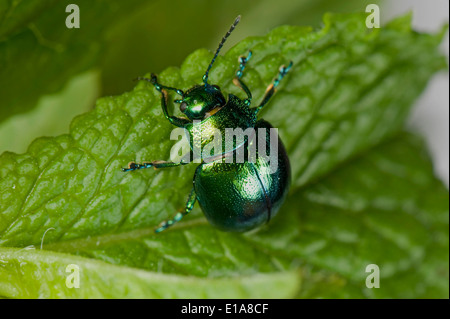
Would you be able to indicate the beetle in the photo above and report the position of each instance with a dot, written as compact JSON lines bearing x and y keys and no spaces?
{"x":234,"y":196}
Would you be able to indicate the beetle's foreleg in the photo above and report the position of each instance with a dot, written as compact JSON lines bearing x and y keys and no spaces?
{"x":177,"y":121}
{"x":189,"y":206}
{"x":132,"y":166}
{"x":237,"y":80}
{"x":154,"y":80}
{"x":272,"y":87}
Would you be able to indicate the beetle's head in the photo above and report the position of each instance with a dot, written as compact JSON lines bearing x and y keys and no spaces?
{"x":198,"y":101}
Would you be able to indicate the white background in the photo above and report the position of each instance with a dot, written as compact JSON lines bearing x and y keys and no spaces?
{"x":430,"y":115}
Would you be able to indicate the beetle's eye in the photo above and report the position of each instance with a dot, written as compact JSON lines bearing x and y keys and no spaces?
{"x":216,"y":86}
{"x":183,"y":107}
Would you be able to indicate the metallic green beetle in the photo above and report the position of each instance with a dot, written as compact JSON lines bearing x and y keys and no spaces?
{"x":237,"y":195}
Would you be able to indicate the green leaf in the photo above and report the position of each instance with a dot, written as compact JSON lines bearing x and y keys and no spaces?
{"x":48,"y":275}
{"x":15,"y":15}
{"x":49,"y":118}
{"x":350,"y":90}
{"x":39,"y":54}
{"x":331,"y":230}
{"x":35,"y":42}
{"x":383,"y":208}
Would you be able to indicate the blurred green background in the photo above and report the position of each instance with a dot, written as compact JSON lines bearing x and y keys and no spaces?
{"x":49,"y":73}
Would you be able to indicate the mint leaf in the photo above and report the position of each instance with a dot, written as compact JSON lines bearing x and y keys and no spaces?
{"x":34,"y":41}
{"x":15,"y":15}
{"x":383,"y":208}
{"x":350,"y":90}
{"x":330,"y":230}
{"x":47,"y":276}
{"x":48,"y":117}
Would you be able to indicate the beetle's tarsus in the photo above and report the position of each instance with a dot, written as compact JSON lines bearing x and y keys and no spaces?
{"x":178,"y":216}
{"x":140,"y":78}
{"x":155,"y":164}
{"x":237,"y":79}
{"x":272,"y":87}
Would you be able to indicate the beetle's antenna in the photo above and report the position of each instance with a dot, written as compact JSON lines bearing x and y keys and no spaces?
{"x":205,"y":77}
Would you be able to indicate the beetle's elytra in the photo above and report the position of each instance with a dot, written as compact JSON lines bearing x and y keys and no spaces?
{"x":234,"y":196}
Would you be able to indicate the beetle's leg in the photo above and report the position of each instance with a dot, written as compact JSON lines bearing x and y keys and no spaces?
{"x":237,"y":80}
{"x":178,"y":216}
{"x":272,"y":87}
{"x":177,"y":121}
{"x":132,"y":166}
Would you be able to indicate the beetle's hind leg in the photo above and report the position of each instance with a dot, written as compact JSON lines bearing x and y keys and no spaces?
{"x":178,"y":216}
{"x":272,"y":87}
{"x":132,"y":166}
{"x":237,"y":79}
